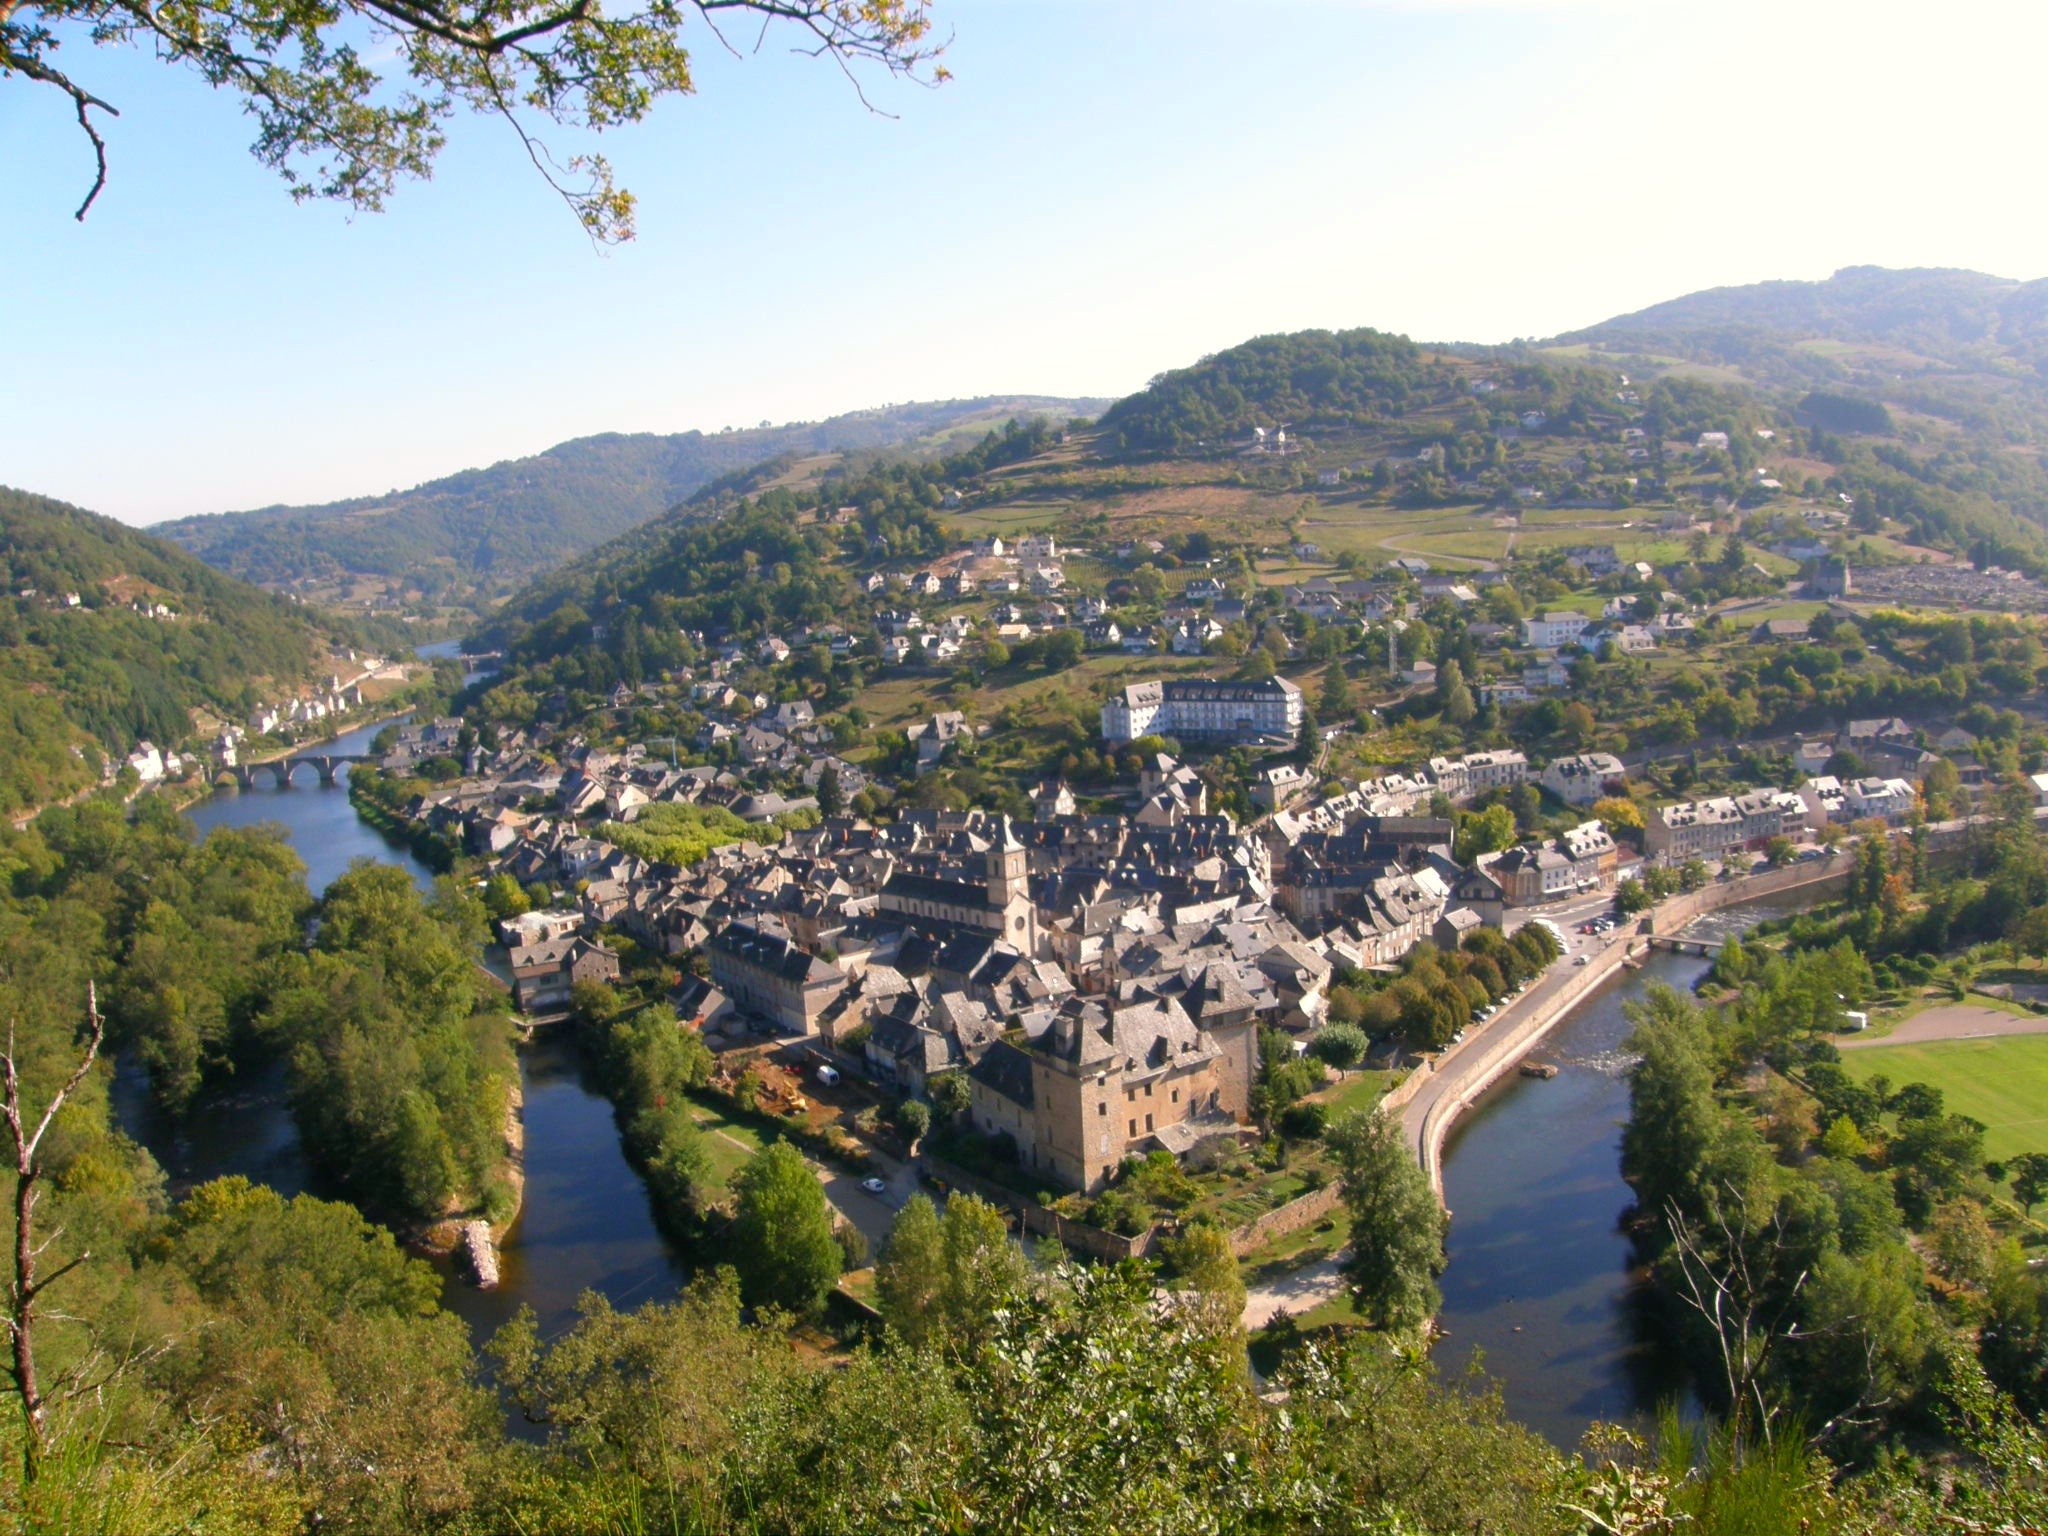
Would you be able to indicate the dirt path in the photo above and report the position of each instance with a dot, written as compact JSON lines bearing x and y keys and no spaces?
{"x":1308,"y":1287}
{"x":1954,"y":1021}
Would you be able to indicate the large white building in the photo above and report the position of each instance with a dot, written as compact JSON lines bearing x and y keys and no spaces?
{"x":1829,"y":800}
{"x":1477,"y":773}
{"x":1549,"y":631}
{"x":1201,"y":709}
{"x":1702,"y":829}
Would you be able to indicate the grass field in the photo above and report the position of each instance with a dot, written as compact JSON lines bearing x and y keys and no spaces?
{"x":2002,"y":1082}
{"x":728,"y":1143}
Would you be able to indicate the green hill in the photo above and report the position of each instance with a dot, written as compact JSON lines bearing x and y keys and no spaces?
{"x":110,"y":635}
{"x":466,"y":540}
{"x":1934,"y":319}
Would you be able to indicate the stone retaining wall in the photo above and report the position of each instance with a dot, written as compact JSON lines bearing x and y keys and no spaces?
{"x":1501,"y":1054}
{"x":1302,"y":1211}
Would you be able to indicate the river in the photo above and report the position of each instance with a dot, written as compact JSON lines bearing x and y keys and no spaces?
{"x":1542,"y":1279}
{"x":586,"y":1222}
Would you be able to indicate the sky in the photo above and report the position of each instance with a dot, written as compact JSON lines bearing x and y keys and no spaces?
{"x":1105,"y":189}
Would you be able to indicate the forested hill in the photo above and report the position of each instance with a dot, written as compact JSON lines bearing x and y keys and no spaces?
{"x":1301,"y":380}
{"x":154,"y":634}
{"x":1935,"y":319}
{"x":473,"y":536}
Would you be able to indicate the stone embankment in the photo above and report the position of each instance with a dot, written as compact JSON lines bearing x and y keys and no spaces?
{"x":1431,"y":1101}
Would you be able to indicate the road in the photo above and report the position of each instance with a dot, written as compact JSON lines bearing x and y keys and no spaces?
{"x":1457,"y":1066}
{"x":872,"y":1214}
{"x":1955,"y":1021}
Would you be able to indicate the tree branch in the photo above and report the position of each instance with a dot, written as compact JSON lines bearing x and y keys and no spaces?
{"x":83,"y":102}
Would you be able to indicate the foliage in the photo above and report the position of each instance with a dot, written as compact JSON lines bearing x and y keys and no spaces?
{"x":782,"y":1242}
{"x":1397,"y":1226}
{"x":400,"y":1065}
{"x":330,"y":124}
{"x":100,"y":677}
{"x":482,"y":532}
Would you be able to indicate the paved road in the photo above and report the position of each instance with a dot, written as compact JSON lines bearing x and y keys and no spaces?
{"x":1456,"y":1067}
{"x":873,"y":1214}
{"x":1957,"y":1021}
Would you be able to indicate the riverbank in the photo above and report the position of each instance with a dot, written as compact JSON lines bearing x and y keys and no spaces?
{"x":445,"y":1237}
{"x":1431,"y":1101}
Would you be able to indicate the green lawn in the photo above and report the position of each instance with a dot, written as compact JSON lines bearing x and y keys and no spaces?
{"x":720,"y":1133}
{"x":2002,"y":1082}
{"x":1360,"y":1090}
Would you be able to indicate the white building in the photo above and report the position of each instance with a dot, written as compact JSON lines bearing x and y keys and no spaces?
{"x":1550,"y":631}
{"x":1202,"y":709}
{"x":1583,"y":779}
{"x":1477,"y":773}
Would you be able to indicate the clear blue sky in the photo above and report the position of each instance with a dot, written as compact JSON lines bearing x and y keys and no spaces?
{"x":1104,"y":190}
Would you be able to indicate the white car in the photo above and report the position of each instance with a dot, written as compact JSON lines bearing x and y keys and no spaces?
{"x":1583,"y":960}
{"x":874,"y":1186}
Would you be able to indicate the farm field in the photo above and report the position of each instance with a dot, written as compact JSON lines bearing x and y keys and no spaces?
{"x":2002,"y":1082}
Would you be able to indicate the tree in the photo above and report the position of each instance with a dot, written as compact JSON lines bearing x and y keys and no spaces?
{"x":782,"y":1240}
{"x":831,"y":798}
{"x":1200,"y":1261}
{"x":2029,"y":1172}
{"x":29,"y":1286}
{"x":949,"y":1093}
{"x":1341,"y":1045}
{"x":1618,"y":813}
{"x":1336,"y":701}
{"x":941,"y":1280}
{"x":995,"y":655}
{"x":334,"y":128}
{"x":914,"y":1119}
{"x":1397,"y":1226}
{"x":504,"y":898}
{"x":1631,"y":896}
{"x":1577,"y":723}
{"x":1487,"y":831}
{"x":909,"y":1274}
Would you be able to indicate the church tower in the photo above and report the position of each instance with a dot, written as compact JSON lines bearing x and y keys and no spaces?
{"x":1009,"y":889}
{"x":1008,"y":866}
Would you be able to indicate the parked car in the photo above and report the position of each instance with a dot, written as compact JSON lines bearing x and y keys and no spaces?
{"x":874,"y":1186}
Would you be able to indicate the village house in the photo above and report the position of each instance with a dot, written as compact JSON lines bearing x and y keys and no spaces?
{"x":763,"y":971}
{"x":1582,"y":779}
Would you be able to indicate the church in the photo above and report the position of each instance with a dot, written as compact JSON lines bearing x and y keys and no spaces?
{"x":998,"y":902}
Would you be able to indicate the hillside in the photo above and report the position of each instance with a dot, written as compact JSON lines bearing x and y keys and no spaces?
{"x":469,"y":538}
{"x":1933,"y":319}
{"x":1324,"y":450}
{"x":109,"y":635}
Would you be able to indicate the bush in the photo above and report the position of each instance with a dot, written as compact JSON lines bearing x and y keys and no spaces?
{"x":501,"y":1202}
{"x":1305,"y":1121}
{"x":1341,"y":1045}
{"x":853,"y":1245}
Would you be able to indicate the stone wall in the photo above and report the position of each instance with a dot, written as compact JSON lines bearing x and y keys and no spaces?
{"x":1500,"y":1054}
{"x":1033,"y":1217}
{"x":1302,"y":1211}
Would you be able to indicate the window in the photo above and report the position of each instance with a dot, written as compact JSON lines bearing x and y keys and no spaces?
{"x":1134,"y":1129}
{"x":1176,"y":1095}
{"x":1102,"y":1109}
{"x":1148,"y":1122}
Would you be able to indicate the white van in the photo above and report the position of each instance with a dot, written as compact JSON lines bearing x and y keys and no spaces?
{"x":828,"y":1075}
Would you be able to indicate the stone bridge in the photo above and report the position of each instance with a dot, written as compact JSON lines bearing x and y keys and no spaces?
{"x":1679,"y":945}
{"x":282,"y":770}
